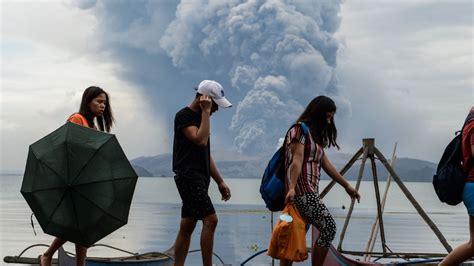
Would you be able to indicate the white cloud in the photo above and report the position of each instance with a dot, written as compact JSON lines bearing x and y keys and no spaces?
{"x":51,"y":23}
{"x":408,"y":66}
{"x":46,"y":67}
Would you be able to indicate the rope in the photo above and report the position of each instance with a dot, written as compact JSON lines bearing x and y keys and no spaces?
{"x":119,"y":249}
{"x":253,"y":256}
{"x":217,"y":256}
{"x":32,"y":246}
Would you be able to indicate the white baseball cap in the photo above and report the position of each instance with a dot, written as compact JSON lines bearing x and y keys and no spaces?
{"x":215,"y":91}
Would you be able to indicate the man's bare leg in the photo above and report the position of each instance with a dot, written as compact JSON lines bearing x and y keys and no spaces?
{"x":209,"y":224}
{"x":183,"y":239}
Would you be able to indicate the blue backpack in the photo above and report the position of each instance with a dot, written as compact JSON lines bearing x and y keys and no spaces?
{"x":450,"y":177}
{"x":272,"y":187}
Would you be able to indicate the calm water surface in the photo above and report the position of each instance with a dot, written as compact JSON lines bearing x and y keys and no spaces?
{"x":244,"y":224}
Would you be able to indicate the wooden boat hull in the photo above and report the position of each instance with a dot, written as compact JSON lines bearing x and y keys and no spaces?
{"x":146,"y":259}
{"x":25,"y":260}
{"x":335,"y":258}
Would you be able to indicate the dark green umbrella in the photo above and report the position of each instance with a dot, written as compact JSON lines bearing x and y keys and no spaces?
{"x":79,"y":184}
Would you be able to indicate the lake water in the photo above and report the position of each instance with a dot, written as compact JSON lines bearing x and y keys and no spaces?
{"x":244,"y":223}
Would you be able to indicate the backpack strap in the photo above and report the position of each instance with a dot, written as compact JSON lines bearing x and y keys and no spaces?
{"x":305,"y":132}
{"x":305,"y":128}
{"x":469,"y":117}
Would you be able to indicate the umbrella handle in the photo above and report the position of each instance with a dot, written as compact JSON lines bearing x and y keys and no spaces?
{"x":32,"y":224}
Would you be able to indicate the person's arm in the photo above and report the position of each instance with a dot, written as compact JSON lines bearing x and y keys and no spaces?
{"x":200,"y":136}
{"x":297,"y":152}
{"x":329,"y":168}
{"x":223,"y":188}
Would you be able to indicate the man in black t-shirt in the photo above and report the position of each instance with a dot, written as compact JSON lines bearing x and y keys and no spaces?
{"x":194,"y":166}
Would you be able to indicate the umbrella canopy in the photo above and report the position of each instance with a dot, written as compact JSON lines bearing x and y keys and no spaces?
{"x":79,"y":184}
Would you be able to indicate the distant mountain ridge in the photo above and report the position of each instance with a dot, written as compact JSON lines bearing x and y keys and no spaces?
{"x":410,"y":170}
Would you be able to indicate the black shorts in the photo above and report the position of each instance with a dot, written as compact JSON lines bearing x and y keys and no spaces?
{"x":196,"y":201}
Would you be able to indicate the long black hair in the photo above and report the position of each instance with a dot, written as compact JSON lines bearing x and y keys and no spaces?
{"x":315,"y":117}
{"x":107,"y":119}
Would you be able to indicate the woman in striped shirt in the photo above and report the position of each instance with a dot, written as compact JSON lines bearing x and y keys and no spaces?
{"x":304,"y":159}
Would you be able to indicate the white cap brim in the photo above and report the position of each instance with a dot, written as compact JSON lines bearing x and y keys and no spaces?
{"x":222,"y":102}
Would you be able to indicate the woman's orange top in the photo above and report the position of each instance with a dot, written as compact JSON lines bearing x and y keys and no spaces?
{"x":79,"y":119}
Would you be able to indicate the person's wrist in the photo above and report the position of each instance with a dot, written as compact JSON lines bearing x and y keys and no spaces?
{"x":347,"y":186}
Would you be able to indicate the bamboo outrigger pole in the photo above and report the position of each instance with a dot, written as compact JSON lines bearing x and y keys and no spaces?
{"x":359,"y":179}
{"x":375,"y":225}
{"x":369,"y":151}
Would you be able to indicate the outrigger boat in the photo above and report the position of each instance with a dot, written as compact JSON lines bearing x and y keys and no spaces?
{"x":145,"y":259}
{"x":132,"y":259}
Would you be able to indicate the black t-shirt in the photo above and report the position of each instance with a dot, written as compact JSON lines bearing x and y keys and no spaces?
{"x":189,"y":160}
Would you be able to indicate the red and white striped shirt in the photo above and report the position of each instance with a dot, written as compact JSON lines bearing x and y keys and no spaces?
{"x":308,"y":180}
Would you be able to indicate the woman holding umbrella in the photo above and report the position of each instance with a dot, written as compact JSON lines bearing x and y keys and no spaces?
{"x":95,"y":105}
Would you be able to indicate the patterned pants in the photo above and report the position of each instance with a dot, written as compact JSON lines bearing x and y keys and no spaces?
{"x":315,"y":213}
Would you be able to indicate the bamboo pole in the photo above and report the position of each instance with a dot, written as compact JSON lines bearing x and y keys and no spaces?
{"x":379,"y":207}
{"x":372,"y":238}
{"x":415,"y":204}
{"x":410,"y":255}
{"x":342,"y":172}
{"x":359,"y":178}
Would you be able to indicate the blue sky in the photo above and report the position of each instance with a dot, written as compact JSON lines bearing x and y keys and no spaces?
{"x":398,"y":70}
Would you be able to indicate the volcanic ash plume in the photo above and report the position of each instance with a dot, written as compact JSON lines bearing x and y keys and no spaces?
{"x":279,"y":54}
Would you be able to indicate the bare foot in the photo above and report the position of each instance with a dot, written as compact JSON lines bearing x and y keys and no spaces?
{"x":44,"y":260}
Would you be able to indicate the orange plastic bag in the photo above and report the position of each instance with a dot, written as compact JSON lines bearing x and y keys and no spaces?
{"x":288,"y":240}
